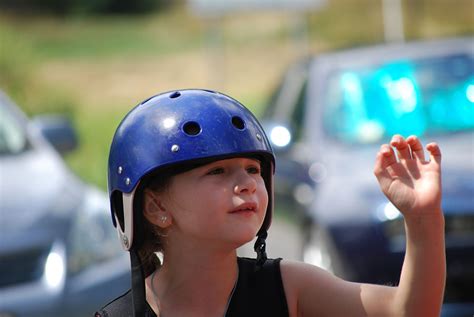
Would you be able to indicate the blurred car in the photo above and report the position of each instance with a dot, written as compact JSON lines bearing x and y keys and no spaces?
{"x":326,"y":121}
{"x":59,"y":253}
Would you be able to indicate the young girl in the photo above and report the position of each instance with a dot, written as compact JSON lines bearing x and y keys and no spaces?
{"x":190,"y":178}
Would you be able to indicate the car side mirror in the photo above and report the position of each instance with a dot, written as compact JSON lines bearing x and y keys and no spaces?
{"x":58,"y":130}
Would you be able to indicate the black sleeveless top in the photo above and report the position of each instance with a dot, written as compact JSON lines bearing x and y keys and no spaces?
{"x":258,"y":293}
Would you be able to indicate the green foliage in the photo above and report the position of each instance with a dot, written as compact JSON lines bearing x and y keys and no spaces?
{"x":104,"y":37}
{"x":16,"y":62}
{"x":95,"y":130}
{"x":50,"y":101}
{"x":68,"y":7}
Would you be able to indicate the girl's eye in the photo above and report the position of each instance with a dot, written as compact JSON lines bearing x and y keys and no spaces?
{"x":216,"y":171}
{"x":253,"y":170}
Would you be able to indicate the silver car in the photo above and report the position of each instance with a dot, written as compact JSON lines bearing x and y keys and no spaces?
{"x":59,"y":253}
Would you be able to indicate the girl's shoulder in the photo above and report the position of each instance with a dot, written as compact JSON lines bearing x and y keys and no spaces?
{"x":313,"y":291}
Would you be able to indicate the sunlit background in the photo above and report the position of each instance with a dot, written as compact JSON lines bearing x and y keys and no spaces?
{"x":92,"y":61}
{"x":95,"y":61}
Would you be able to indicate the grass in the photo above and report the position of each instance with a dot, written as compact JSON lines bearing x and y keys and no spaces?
{"x":96,"y":130}
{"x":103,"y":37}
{"x":95,"y":69}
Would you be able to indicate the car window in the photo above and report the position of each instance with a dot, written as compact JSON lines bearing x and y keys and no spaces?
{"x":421,"y":97}
{"x":299,"y":112}
{"x":287,"y":103}
{"x":12,"y":136}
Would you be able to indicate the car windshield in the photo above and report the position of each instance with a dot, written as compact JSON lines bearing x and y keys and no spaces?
{"x":12,"y":136}
{"x":421,"y":97}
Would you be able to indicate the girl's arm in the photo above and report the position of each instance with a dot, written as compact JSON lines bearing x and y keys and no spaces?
{"x":413,"y":185}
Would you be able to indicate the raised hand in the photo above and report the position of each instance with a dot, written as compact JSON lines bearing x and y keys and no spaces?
{"x":410,"y":182}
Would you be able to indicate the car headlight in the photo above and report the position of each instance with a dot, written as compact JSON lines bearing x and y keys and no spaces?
{"x":387,"y":211}
{"x":280,"y":136}
{"x":55,"y":267}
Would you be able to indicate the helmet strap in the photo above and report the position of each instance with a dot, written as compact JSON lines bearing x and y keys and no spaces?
{"x":138,"y":285}
{"x":259,"y":247}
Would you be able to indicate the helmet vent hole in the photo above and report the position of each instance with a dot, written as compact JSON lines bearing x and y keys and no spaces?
{"x":176,"y":94}
{"x":238,"y":123}
{"x":192,"y":128}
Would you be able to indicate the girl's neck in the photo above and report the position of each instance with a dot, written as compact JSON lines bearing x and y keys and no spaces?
{"x":194,"y":282}
{"x":183,"y":269}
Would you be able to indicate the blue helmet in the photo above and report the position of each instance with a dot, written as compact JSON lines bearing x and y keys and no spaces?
{"x":174,"y":128}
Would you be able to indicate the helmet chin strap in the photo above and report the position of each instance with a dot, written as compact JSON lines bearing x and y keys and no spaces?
{"x":138,"y":285}
{"x":259,"y":247}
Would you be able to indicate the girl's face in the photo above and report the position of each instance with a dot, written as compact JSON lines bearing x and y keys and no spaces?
{"x":225,"y":200}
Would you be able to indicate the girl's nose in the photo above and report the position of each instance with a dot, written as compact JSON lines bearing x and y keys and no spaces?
{"x":245,"y":184}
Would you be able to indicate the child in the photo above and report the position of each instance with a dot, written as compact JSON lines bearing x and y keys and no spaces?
{"x":190,"y":177}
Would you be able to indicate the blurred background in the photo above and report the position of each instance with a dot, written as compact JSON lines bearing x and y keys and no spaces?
{"x":92,"y":61}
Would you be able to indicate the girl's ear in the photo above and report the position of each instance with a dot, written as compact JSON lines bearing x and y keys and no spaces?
{"x":154,"y":210}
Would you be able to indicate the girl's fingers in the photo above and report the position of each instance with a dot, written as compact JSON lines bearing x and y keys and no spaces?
{"x":402,"y":147}
{"x":435,"y":152}
{"x":385,"y":158}
{"x":416,"y":148}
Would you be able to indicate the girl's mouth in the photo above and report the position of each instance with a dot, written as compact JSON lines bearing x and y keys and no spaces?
{"x":245,"y":208}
